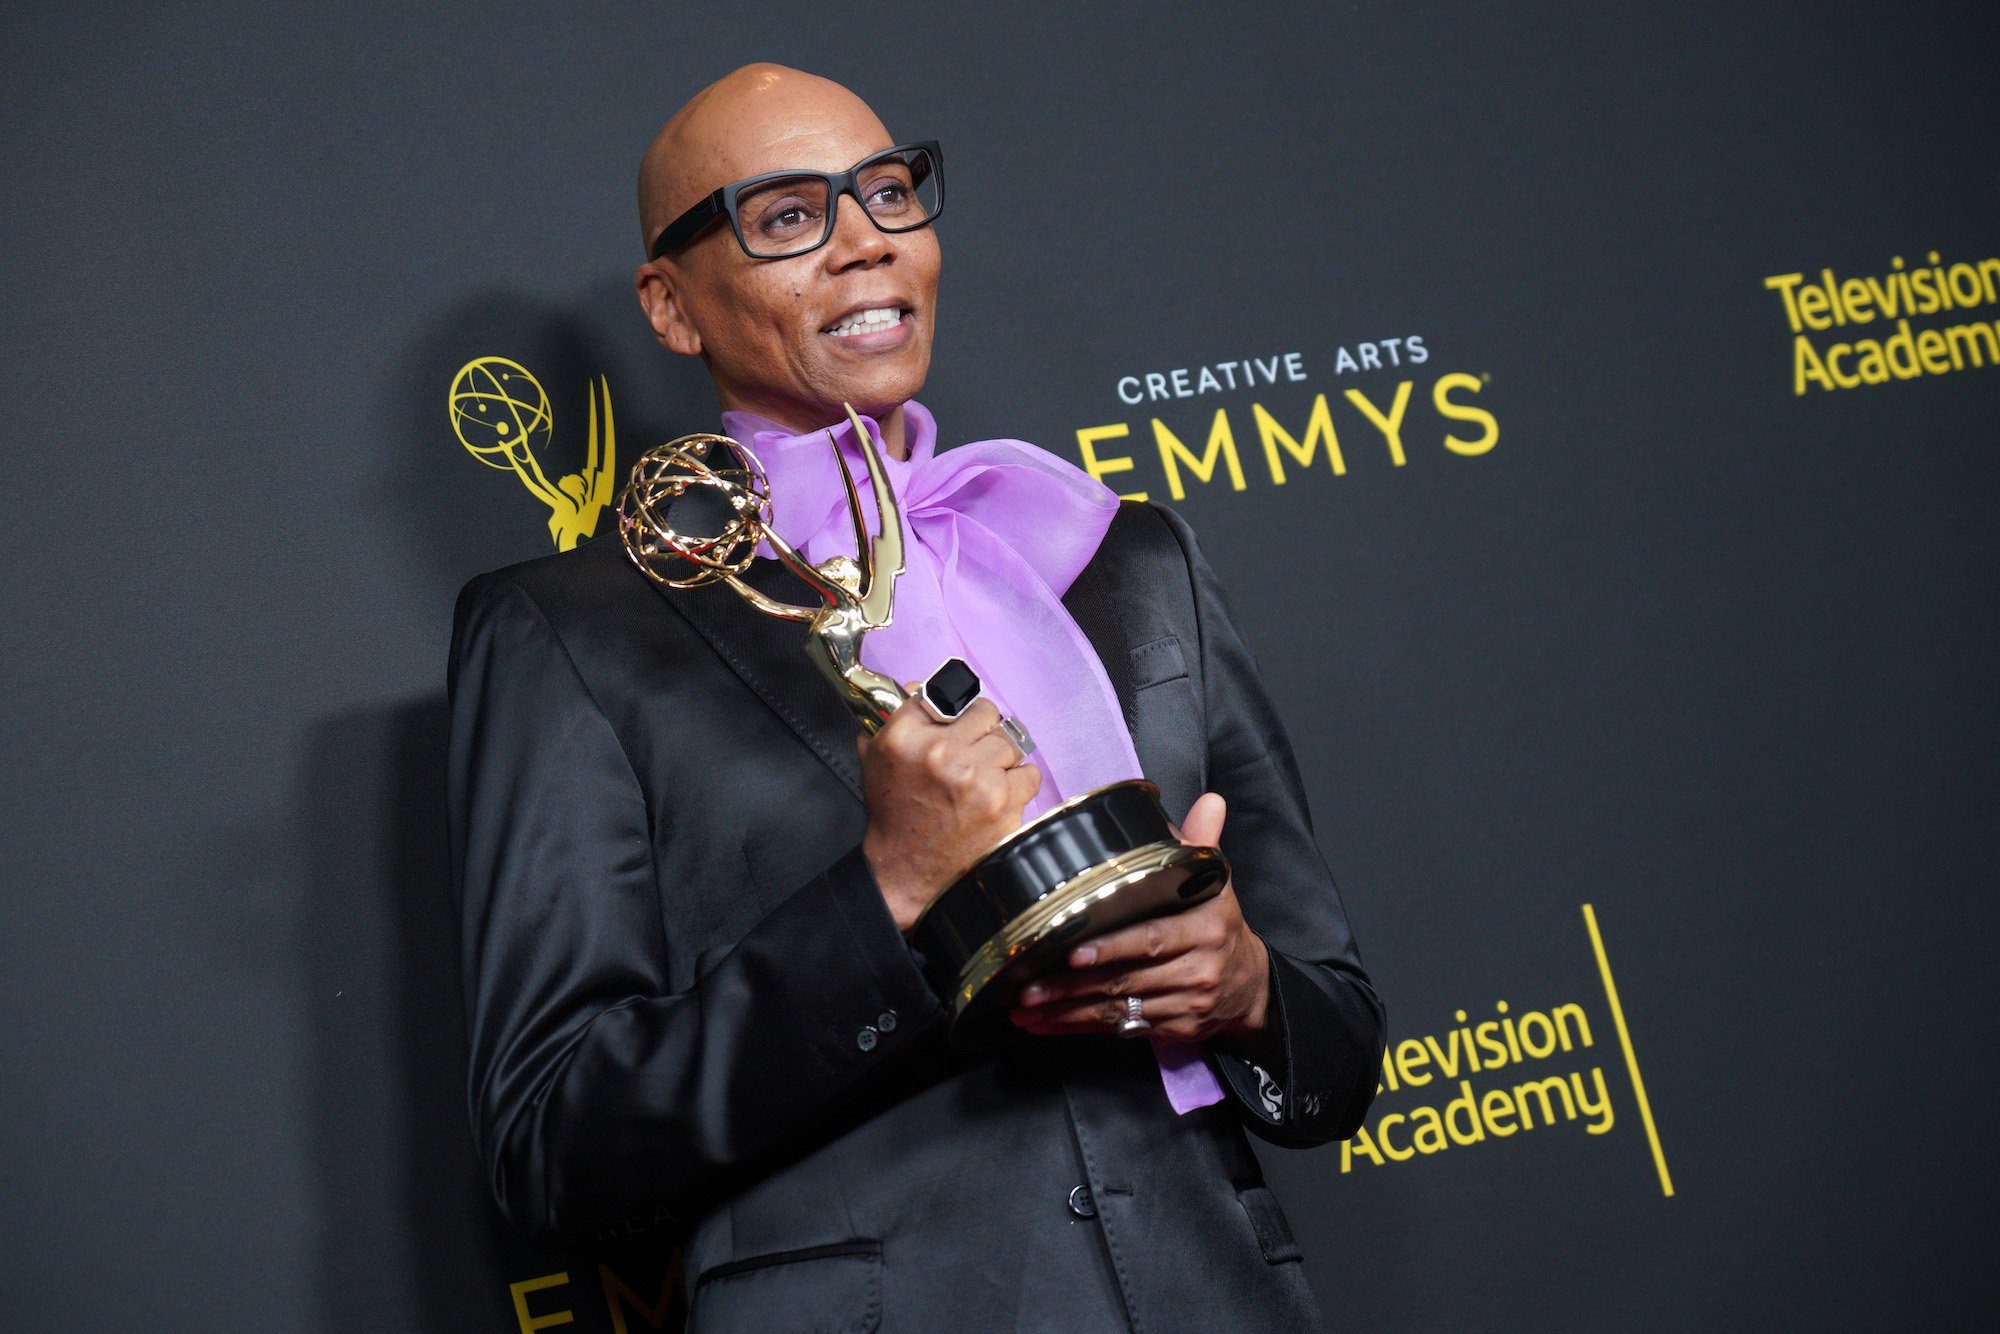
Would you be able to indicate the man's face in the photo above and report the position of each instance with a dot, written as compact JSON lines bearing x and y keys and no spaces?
{"x":780,"y":335}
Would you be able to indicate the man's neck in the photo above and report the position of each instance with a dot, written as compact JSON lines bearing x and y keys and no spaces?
{"x":798,"y":422}
{"x":892,"y":436}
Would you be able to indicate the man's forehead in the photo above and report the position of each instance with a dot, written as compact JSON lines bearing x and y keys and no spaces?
{"x":819,"y":144}
{"x":760,"y":119}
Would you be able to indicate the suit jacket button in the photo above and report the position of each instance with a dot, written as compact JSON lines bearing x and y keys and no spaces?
{"x":866,"y":1039}
{"x":1081,"y":1204}
{"x":886,"y":1021}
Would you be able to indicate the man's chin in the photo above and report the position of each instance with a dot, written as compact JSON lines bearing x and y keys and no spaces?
{"x":875,"y":395}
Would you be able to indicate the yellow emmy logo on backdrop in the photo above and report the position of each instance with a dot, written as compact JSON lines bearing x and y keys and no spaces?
{"x":501,"y":415}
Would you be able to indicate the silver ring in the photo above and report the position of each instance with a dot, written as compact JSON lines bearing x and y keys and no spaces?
{"x":1134,"y":1023}
{"x":1019,"y":736}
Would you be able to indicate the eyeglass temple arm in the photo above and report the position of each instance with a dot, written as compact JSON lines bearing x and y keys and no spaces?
{"x":687,"y":224}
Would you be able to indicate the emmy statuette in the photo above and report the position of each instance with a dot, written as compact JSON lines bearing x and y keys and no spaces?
{"x":1096,"y":862}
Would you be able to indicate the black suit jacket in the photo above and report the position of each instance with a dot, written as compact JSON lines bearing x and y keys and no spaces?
{"x":688,"y":1002}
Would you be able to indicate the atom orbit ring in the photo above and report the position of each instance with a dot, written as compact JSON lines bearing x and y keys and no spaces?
{"x":1134,"y":1023}
{"x":666,"y":473}
{"x":1019,"y":736}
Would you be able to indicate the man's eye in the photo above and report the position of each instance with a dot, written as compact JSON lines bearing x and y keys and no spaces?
{"x":891,"y":194}
{"x":786,"y":218}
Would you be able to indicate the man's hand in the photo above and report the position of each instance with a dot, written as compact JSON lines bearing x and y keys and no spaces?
{"x":1200,"y":974}
{"x":938,"y":795}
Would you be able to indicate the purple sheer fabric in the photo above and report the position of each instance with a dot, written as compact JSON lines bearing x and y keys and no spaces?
{"x":994,"y":534}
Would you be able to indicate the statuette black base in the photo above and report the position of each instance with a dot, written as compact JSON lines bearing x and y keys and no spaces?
{"x":1093,"y":864}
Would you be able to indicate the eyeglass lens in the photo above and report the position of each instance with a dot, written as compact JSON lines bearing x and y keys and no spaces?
{"x":792,"y":213}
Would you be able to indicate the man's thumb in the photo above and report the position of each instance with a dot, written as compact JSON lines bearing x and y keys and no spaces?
{"x":1203,"y":825}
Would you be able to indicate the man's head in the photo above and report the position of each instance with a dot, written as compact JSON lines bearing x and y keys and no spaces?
{"x":765,"y":326}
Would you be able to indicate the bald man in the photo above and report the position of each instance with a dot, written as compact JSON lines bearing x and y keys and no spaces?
{"x":686,"y":884}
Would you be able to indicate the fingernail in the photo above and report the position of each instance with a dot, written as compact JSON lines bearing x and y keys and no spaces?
{"x":1083,"y":956}
{"x":1034,"y":995}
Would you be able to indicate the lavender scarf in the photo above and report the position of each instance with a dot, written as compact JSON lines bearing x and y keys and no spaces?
{"x":994,"y":534}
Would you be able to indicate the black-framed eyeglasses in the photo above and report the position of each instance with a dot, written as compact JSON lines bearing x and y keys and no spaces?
{"x":785,"y":213}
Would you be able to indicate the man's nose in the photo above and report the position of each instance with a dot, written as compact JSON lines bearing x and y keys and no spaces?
{"x":857,"y":242}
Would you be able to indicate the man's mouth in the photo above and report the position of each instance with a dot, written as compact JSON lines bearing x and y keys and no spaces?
{"x":873,"y":320}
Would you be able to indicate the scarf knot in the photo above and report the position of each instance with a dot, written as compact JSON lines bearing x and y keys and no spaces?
{"x":994,"y":533}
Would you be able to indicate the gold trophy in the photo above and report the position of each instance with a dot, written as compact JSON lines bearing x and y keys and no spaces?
{"x":1092,"y":864}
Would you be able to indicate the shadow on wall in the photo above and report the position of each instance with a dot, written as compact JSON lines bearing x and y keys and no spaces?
{"x":410,"y":1238}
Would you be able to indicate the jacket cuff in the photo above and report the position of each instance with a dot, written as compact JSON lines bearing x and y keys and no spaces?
{"x":1256,"y":1074}
{"x":1287,"y":1085}
{"x":902,"y":1000}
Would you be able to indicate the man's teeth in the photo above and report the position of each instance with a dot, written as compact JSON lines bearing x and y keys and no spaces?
{"x":867,"y":321}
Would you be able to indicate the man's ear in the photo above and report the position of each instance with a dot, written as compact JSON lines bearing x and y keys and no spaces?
{"x":661,"y":300}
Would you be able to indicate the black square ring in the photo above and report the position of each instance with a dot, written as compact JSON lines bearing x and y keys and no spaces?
{"x":950,"y":690}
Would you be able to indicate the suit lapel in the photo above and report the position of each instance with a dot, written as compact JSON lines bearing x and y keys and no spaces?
{"x":1135,"y":591}
{"x":767,"y":654}
{"x":1100,"y":615}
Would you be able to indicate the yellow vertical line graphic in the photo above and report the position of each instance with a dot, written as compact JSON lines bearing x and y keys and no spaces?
{"x":1631,"y":1059}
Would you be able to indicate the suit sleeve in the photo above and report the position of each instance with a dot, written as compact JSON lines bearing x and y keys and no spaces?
{"x":602,"y":1091}
{"x":1313,"y":1076}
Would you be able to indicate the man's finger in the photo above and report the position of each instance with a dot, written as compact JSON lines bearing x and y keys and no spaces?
{"x":1183,"y":971}
{"x":909,"y":714}
{"x":1026,"y":781}
{"x":1156,"y":938}
{"x":1102,"y":1016}
{"x":996,"y":750}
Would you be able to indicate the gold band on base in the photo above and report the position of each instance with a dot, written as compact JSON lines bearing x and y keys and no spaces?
{"x":1100,"y":887}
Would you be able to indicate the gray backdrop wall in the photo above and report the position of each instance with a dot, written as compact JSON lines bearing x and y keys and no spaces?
{"x":1670,"y":591}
